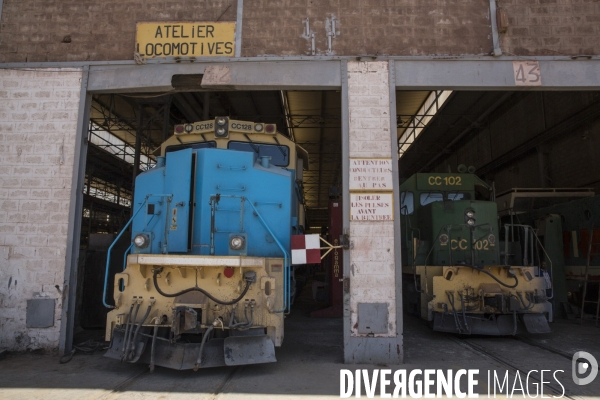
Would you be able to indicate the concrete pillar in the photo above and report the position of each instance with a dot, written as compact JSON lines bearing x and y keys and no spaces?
{"x":372,"y":301}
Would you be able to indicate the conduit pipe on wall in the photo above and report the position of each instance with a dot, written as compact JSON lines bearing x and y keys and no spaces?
{"x":495,"y":38}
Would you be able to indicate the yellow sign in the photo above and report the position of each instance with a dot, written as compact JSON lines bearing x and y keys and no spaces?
{"x":185,"y":39}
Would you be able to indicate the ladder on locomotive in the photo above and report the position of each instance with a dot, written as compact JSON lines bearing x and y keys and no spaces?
{"x":586,"y":278}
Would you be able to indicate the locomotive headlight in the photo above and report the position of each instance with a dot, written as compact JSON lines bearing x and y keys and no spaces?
{"x":470,"y":218}
{"x":443,"y":239}
{"x":492,"y":239}
{"x":141,"y":240}
{"x":236,"y":242}
{"x":189,"y":128}
{"x":258,"y":127}
{"x":221,"y":127}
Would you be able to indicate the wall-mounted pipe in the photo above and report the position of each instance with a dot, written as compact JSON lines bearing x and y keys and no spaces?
{"x":495,"y":36}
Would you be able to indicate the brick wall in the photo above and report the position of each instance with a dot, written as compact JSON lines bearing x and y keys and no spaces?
{"x":551,"y":27}
{"x":372,"y":269}
{"x":37,"y":31}
{"x":378,"y":27}
{"x":38,"y":122}
{"x":31,"y":30}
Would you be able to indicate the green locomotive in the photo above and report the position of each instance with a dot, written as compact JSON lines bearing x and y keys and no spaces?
{"x":455,"y":268}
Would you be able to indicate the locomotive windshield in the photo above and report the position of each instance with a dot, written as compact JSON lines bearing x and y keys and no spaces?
{"x":432,"y":197}
{"x":455,"y":196}
{"x":193,"y":146}
{"x":280,"y":155}
{"x":408,"y":203}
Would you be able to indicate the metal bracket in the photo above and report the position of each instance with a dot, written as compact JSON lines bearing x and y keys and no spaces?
{"x":330,"y":28}
{"x":345,"y":240}
{"x":307,"y":34}
{"x":346,"y":284}
{"x":328,"y":248}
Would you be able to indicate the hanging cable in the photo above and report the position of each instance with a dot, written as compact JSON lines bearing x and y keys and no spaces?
{"x":131,"y":355}
{"x":248,"y":279}
{"x":493,"y":277}
{"x":87,"y":347}
{"x":204,"y":339}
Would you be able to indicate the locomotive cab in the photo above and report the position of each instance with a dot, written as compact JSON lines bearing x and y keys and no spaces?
{"x":455,"y":274}
{"x":208,"y":280}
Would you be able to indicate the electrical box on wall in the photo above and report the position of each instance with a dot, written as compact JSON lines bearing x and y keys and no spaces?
{"x":40,"y":313}
{"x":372,"y":318}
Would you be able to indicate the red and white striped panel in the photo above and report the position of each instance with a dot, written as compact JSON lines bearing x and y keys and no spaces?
{"x":306,"y":249}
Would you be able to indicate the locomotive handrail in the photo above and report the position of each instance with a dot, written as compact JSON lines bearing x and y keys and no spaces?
{"x":115,"y":242}
{"x":286,"y":257}
{"x":286,"y":279}
{"x":541,"y":246}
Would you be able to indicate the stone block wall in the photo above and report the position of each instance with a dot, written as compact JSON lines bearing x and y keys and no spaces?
{"x":551,"y":27}
{"x":374,"y":27}
{"x":85,"y":30}
{"x":68,"y":30}
{"x":38,"y":124}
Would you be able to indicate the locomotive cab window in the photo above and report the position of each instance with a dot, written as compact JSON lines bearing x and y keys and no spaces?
{"x":455,"y":196}
{"x":193,"y":146}
{"x":408,"y":203}
{"x":431,"y":197}
{"x":280,"y":155}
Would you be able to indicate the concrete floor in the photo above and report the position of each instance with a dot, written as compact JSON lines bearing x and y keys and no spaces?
{"x":308,"y":365}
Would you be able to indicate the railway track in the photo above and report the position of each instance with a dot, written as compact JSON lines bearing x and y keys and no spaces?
{"x":514,"y":367}
{"x":123,"y":386}
{"x":544,"y":347}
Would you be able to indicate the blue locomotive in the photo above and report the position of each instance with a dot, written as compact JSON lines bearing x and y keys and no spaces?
{"x":208,"y":280}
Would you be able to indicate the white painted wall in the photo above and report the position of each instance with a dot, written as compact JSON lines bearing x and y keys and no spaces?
{"x":372,"y":266}
{"x":38,"y":125}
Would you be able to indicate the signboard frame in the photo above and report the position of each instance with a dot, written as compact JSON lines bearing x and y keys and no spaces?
{"x":185,"y":39}
{"x":371,"y":177}
{"x":371,"y":203}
